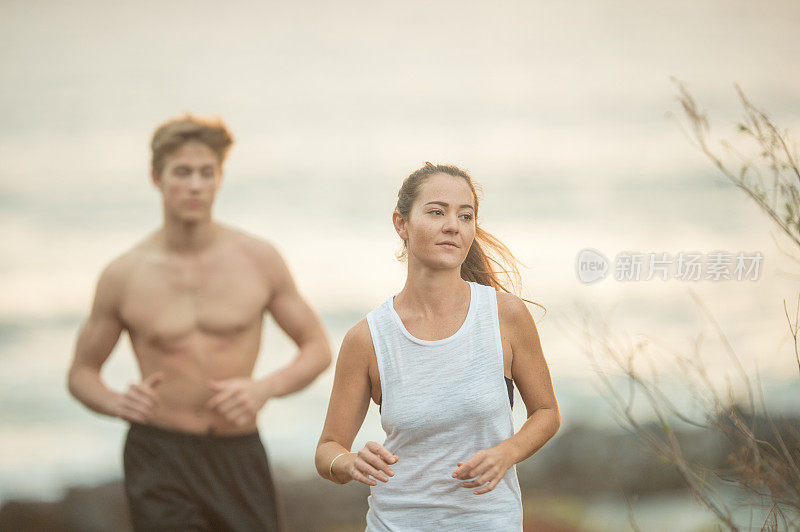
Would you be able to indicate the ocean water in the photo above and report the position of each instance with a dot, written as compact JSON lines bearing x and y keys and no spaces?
{"x":560,"y":113}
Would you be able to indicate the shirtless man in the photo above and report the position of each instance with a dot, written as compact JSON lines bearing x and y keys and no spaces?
{"x":192,"y":297}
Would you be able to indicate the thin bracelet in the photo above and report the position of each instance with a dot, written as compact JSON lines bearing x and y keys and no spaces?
{"x":330,"y":469}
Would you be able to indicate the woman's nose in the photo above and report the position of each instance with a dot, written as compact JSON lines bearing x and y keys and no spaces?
{"x":450,"y":224}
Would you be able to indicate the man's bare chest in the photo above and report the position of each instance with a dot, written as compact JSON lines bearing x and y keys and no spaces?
{"x":165,"y":301}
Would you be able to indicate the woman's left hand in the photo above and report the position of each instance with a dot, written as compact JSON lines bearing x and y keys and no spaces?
{"x":489,"y":465}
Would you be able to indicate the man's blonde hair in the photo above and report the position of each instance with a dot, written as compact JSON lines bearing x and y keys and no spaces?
{"x":172,"y":134}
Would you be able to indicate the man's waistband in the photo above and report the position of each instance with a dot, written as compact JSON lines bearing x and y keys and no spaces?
{"x":179,"y":435}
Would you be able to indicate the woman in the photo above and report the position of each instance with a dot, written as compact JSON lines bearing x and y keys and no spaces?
{"x":434,"y":357}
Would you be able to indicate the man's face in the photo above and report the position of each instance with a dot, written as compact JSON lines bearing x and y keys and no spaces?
{"x":189,"y":181}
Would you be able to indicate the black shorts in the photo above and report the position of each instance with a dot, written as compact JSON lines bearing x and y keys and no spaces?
{"x":182,"y":481}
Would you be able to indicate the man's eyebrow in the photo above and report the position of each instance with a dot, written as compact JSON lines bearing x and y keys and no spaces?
{"x":189,"y":165}
{"x":445,"y":204}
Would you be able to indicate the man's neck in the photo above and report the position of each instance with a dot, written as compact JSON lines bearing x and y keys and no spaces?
{"x":189,"y":237}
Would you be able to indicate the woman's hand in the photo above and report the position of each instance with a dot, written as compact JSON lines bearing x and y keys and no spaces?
{"x":371,"y":461}
{"x":489,"y":465}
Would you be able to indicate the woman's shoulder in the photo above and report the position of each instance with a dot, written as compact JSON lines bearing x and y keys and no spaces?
{"x":358,"y":333}
{"x":358,"y":339}
{"x":511,"y":309}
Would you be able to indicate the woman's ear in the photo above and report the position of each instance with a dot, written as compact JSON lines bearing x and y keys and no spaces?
{"x":400,"y":224}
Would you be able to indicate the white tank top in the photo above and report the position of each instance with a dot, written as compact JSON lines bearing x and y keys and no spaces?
{"x":442,"y":401}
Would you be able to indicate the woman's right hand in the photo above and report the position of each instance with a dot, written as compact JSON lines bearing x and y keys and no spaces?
{"x":371,"y":461}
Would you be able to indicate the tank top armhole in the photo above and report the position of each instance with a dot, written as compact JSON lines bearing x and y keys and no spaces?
{"x":496,"y":326}
{"x":373,"y":333}
{"x":495,"y":311}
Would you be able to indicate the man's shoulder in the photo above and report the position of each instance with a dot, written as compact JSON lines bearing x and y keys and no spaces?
{"x":126,"y":262}
{"x":261,"y":249}
{"x":119,"y":268}
{"x":115,"y":274}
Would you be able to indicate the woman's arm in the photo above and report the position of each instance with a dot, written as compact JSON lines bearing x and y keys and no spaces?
{"x":346,"y":411}
{"x":532,"y":376}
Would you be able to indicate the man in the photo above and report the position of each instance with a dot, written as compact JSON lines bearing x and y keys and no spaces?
{"x":192,"y":296}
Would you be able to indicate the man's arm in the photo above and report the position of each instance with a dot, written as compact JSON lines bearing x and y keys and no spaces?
{"x":96,"y":340}
{"x":240,"y":399}
{"x":296,"y":317}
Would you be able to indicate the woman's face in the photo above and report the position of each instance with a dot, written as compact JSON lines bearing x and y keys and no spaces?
{"x":441,"y":225}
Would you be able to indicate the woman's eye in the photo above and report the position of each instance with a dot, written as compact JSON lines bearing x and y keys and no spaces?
{"x":467,"y":217}
{"x":436,"y":211}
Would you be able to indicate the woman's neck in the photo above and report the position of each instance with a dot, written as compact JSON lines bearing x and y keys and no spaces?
{"x":433,"y":292}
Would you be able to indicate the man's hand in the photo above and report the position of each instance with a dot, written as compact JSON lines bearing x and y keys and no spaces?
{"x":138,"y":401}
{"x":489,"y":465}
{"x":238,"y":399}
